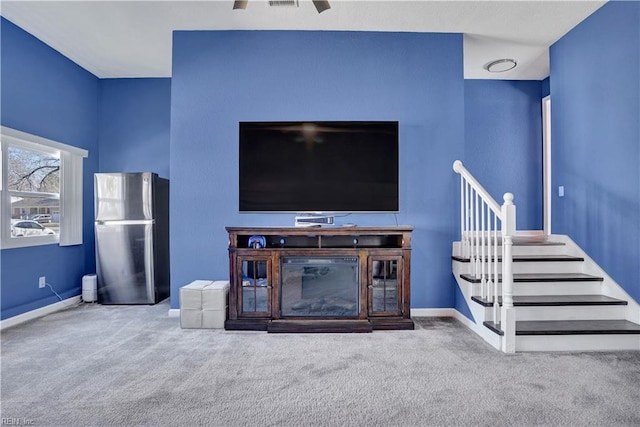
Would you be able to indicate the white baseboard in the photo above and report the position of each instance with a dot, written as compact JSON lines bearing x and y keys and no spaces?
{"x":39,"y":312}
{"x":464,"y":319}
{"x":174,"y":312}
{"x":433,"y":312}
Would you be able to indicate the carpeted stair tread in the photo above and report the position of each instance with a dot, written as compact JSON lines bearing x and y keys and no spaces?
{"x":541,"y":277}
{"x":554,"y":300}
{"x":529,"y":258}
{"x":571,"y":327}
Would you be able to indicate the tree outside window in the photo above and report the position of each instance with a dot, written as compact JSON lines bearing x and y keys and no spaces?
{"x":33,"y":181}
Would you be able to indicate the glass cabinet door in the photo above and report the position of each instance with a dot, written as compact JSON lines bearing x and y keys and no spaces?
{"x":385,"y":284}
{"x":255,"y":298}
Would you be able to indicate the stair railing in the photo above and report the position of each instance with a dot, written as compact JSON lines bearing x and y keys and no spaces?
{"x":480,"y":235}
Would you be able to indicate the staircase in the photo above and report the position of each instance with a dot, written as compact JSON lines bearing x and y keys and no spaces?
{"x":558,"y":306}
{"x":548,"y":295}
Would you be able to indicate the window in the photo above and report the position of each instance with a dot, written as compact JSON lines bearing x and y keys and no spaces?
{"x":41,"y":191}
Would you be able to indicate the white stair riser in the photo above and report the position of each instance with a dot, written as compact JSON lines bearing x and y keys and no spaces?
{"x":538,"y":250}
{"x":608,"y":312}
{"x":546,"y":267}
{"x":532,"y":267}
{"x":557,"y":288}
{"x":564,"y":312}
{"x":488,"y":314}
{"x":548,"y":288}
{"x":613,"y":342}
{"x":520,"y":249}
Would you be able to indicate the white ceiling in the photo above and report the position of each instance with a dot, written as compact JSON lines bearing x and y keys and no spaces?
{"x":114,"y":39}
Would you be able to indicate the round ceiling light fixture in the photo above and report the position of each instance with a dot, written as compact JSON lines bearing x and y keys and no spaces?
{"x":500,"y":65}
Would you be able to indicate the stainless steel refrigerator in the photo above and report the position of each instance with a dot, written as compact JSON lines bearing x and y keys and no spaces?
{"x":132,"y":237}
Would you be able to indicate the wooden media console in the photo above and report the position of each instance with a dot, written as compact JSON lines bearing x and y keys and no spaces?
{"x":319,"y":279}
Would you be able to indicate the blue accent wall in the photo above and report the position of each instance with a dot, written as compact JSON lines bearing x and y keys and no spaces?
{"x":223,"y":77}
{"x":134,"y":125}
{"x":546,"y":87}
{"x":46,"y":94}
{"x":503,"y":143}
{"x":595,"y":96}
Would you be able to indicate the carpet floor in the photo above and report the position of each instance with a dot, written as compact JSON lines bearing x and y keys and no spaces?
{"x":95,"y":365}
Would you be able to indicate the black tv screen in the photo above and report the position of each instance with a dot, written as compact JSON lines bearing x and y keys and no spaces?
{"x":319,"y":166}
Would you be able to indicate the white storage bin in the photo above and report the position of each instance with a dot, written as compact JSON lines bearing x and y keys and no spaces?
{"x":89,"y":288}
{"x":215,"y":295}
{"x":191,"y":294}
{"x":203,"y":304}
{"x":214,"y":319}
{"x":190,"y":318}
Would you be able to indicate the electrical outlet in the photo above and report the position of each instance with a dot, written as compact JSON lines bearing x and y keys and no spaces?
{"x":42,"y":282}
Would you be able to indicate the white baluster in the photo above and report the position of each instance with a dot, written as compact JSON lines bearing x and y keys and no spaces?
{"x":476,"y":215}
{"x":490,"y":260}
{"x":496,"y":291}
{"x":468,"y":218}
{"x":472,"y":243}
{"x":483,"y":261}
{"x":462,"y":208}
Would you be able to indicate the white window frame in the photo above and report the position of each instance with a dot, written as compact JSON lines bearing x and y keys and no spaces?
{"x":70,"y":190}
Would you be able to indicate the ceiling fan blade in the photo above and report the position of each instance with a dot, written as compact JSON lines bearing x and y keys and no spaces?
{"x":240,"y":4}
{"x":321,"y":5}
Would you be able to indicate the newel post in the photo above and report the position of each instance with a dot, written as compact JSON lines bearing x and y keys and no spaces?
{"x":508,"y":315}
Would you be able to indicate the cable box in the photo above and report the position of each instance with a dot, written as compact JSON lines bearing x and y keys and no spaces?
{"x":313,"y":221}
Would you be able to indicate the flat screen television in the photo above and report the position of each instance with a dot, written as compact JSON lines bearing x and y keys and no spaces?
{"x":319,"y":166}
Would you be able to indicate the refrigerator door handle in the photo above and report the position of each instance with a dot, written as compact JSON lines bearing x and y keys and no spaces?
{"x":149,"y":268}
{"x":126,"y":222}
